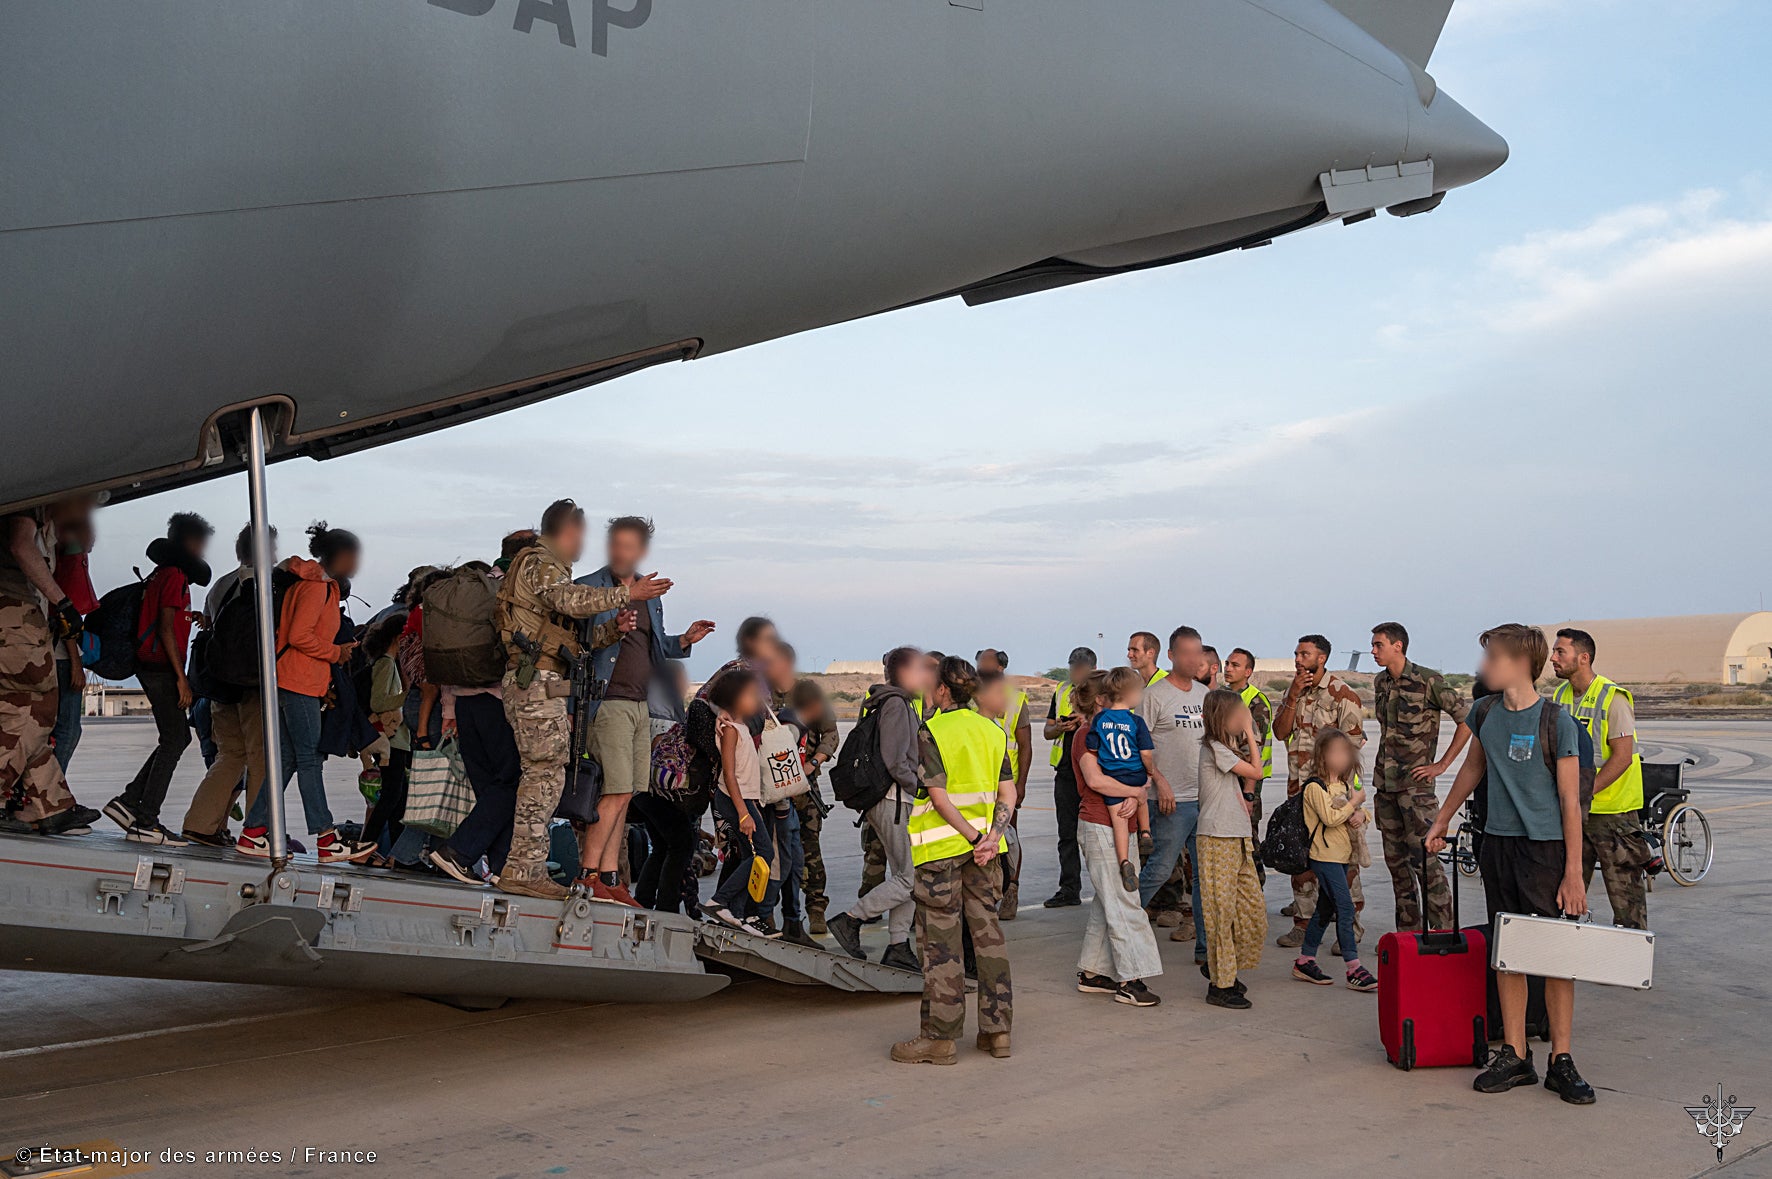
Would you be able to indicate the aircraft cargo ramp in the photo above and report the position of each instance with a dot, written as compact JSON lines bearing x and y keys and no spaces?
{"x":102,"y":905}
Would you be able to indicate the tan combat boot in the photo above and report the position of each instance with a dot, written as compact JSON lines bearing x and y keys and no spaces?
{"x":542,"y":888}
{"x":815,"y":921}
{"x":924,"y":1050}
{"x":996,"y":1043}
{"x":1011,"y":901}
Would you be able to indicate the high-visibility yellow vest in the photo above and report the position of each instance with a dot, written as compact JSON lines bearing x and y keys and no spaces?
{"x":1161,"y":675}
{"x":1063,"y":710}
{"x":1625,"y":794}
{"x":1249,"y":693}
{"x":972,"y":749}
{"x":1018,"y":706}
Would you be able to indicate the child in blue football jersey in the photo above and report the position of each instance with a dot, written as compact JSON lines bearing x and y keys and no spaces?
{"x":1121,"y":743}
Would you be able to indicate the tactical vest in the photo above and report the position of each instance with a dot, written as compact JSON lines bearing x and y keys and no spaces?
{"x":1625,"y":794}
{"x":1063,"y":710}
{"x":1249,"y":693}
{"x":972,"y":749}
{"x":548,"y":637}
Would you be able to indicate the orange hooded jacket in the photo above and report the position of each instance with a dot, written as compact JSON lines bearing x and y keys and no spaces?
{"x":306,"y":629}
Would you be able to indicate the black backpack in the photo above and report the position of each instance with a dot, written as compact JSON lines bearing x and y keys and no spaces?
{"x":1287,"y":846}
{"x":230,"y":657}
{"x":116,"y":624}
{"x":859,"y":778}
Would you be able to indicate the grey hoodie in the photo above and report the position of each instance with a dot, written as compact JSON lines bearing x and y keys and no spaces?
{"x":900,"y":746}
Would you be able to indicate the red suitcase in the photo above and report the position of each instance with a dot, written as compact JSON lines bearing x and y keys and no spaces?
{"x":1432,"y":994}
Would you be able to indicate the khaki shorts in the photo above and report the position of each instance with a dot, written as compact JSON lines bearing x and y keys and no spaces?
{"x":621,"y":741}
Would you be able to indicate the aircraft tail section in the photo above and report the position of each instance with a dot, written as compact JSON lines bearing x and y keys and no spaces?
{"x":1409,"y":27}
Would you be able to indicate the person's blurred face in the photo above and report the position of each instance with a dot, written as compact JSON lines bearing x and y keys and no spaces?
{"x":626,"y":549}
{"x":993,"y":699}
{"x":1309,"y":657}
{"x":1188,"y":656}
{"x":778,"y":669}
{"x":345,"y":564}
{"x":1237,"y":670}
{"x":1499,"y":670}
{"x":1079,"y":670}
{"x":988,"y":661}
{"x":569,"y":542}
{"x":760,"y":644}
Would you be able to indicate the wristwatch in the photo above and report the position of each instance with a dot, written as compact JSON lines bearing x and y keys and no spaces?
{"x":978,"y":838}
{"x":1248,"y":797}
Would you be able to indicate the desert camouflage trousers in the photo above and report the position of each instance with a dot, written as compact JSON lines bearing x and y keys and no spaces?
{"x":31,"y":783}
{"x":1616,"y":843}
{"x":1403,"y":818}
{"x":544,"y":741}
{"x":951,"y":893}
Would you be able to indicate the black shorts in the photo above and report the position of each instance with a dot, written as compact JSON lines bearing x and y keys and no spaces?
{"x":1522,"y":875}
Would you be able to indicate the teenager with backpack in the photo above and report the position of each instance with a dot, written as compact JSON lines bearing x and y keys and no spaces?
{"x":1528,"y":751}
{"x":307,"y":648}
{"x":164,"y":627}
{"x":891,"y":749}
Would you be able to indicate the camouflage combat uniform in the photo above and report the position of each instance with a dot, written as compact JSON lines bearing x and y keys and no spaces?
{"x":538,"y":601}
{"x":1329,"y":705}
{"x":823,"y":741}
{"x":32,"y":787}
{"x":955,"y":896}
{"x":1409,"y":707}
{"x":1617,"y":843}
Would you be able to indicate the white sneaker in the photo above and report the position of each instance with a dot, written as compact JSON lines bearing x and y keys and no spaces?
{"x":156,"y":834}
{"x":330,"y":849}
{"x":257,"y":846}
{"x":118,"y":813}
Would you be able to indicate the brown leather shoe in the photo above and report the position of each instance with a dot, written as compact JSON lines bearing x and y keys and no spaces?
{"x":924,"y":1050}
{"x":815,"y":922}
{"x":996,"y":1043}
{"x":542,"y":889}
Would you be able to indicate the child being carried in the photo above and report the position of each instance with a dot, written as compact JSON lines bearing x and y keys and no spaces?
{"x":1121,"y":743}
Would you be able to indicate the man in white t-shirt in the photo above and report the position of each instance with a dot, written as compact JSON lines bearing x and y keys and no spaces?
{"x":1172,"y":710}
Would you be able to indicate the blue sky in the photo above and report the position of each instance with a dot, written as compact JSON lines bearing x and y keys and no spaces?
{"x":1547,"y":399}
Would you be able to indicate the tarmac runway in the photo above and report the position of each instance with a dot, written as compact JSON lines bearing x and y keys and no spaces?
{"x":765,"y":1078}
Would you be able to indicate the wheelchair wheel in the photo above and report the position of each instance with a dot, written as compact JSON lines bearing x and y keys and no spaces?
{"x":1464,"y":850}
{"x":1686,"y":844}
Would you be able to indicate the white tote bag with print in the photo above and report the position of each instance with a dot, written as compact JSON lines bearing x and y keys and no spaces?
{"x":783,"y":774}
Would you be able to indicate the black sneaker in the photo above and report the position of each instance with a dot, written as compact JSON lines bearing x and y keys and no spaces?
{"x":1360,"y":979}
{"x":155,"y":834}
{"x":1096,"y":984}
{"x":900,"y":956}
{"x":208,"y":839}
{"x":119,"y":813}
{"x":447,"y":862}
{"x":1562,"y":1079}
{"x":1310,"y":972}
{"x":1506,"y":1071}
{"x":845,"y":930}
{"x":1135,"y":994}
{"x":76,"y":820}
{"x":1128,"y":876}
{"x":1063,"y":900}
{"x":1227,"y":997}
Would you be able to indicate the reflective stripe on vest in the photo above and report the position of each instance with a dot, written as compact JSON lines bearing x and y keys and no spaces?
{"x":1249,"y":693}
{"x":1011,"y":721}
{"x":1063,"y":710}
{"x":1625,"y":794}
{"x":972,"y":748}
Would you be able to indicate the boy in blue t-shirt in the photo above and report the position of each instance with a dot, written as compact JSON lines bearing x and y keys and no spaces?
{"x":1121,"y":743}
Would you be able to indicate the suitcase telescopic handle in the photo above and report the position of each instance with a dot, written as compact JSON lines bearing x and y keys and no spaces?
{"x":1456,"y":932}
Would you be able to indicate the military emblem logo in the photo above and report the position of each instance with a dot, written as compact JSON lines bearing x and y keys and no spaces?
{"x":1719,"y":1120}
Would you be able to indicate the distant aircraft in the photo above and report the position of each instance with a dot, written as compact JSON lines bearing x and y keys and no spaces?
{"x":384,"y":218}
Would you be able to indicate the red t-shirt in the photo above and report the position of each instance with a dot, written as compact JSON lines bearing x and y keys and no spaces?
{"x":1093,"y":807}
{"x":76,"y":582}
{"x":167,"y":587}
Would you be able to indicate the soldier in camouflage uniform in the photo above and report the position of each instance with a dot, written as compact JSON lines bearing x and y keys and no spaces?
{"x":814,"y":712}
{"x":1409,"y":700}
{"x":538,"y":605}
{"x":35,"y":614}
{"x":1316,"y":700}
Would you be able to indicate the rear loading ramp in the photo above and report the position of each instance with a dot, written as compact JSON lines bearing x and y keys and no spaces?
{"x":798,"y":965}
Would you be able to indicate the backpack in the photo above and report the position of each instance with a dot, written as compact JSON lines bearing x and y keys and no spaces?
{"x":1585,"y":757}
{"x":461,"y":642}
{"x":230,"y":657}
{"x":116,"y":624}
{"x":1287,"y":846}
{"x":859,"y":778}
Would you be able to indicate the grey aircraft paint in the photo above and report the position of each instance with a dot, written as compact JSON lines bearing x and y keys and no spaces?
{"x":389,"y":216}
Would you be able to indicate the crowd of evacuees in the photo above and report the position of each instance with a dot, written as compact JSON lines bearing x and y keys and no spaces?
{"x":1158,"y":770}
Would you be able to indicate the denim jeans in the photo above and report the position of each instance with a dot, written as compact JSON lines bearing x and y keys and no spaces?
{"x":66,"y":733}
{"x":1170,"y":835}
{"x":734,"y":890}
{"x":1334,"y":898}
{"x":302,"y":760}
{"x":793,"y":866}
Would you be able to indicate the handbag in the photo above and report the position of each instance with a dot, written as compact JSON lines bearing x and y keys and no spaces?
{"x":584,"y":787}
{"x":783,"y":773}
{"x":438,"y":796}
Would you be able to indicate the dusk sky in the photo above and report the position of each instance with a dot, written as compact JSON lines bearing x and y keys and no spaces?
{"x":1547,"y":399}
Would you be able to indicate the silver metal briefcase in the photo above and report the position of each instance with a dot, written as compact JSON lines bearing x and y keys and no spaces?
{"x":1554,"y":947}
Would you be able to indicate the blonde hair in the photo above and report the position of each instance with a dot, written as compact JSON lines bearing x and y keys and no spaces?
{"x":1087,"y":693}
{"x":1519,"y":640}
{"x":1121,"y":682}
{"x":1221,"y":705}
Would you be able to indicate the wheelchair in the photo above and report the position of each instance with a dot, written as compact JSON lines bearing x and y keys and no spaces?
{"x":1677,"y":832}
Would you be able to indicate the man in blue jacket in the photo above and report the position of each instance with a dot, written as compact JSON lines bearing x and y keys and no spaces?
{"x":631,"y":672}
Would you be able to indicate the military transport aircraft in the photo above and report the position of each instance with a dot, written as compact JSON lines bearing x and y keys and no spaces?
{"x":239,"y":231}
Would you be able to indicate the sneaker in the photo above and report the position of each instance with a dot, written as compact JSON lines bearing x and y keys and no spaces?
{"x":1128,"y":876}
{"x":1506,"y":1071}
{"x":714,"y":911}
{"x":155,"y":834}
{"x":845,"y":930}
{"x":451,"y":866}
{"x":621,"y":896}
{"x":119,"y":813}
{"x":1062,"y":900}
{"x":1562,"y":1079}
{"x":1167,"y":919}
{"x":12,"y":826}
{"x":254,"y":842}
{"x":900,"y":956}
{"x":761,"y":928}
{"x":1307,"y":970}
{"x":542,"y":888}
{"x":1290,"y":909}
{"x":1135,"y":994}
{"x":1096,"y":984}
{"x":1291,"y":939}
{"x":1184,"y":930}
{"x":76,"y":820}
{"x":222,"y":838}
{"x":332,"y":850}
{"x":1146,"y":845}
{"x":1227,"y":997}
{"x":1360,"y":979}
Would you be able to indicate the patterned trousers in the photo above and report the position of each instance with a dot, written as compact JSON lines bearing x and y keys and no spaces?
{"x":1616,"y":843}
{"x":544,"y":741}
{"x":1232,"y":907}
{"x":1403,"y":818}
{"x":811,"y":824}
{"x":948,"y":892}
{"x":32,"y":787}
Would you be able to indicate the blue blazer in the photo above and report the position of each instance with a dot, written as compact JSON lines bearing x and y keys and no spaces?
{"x":662,"y":699}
